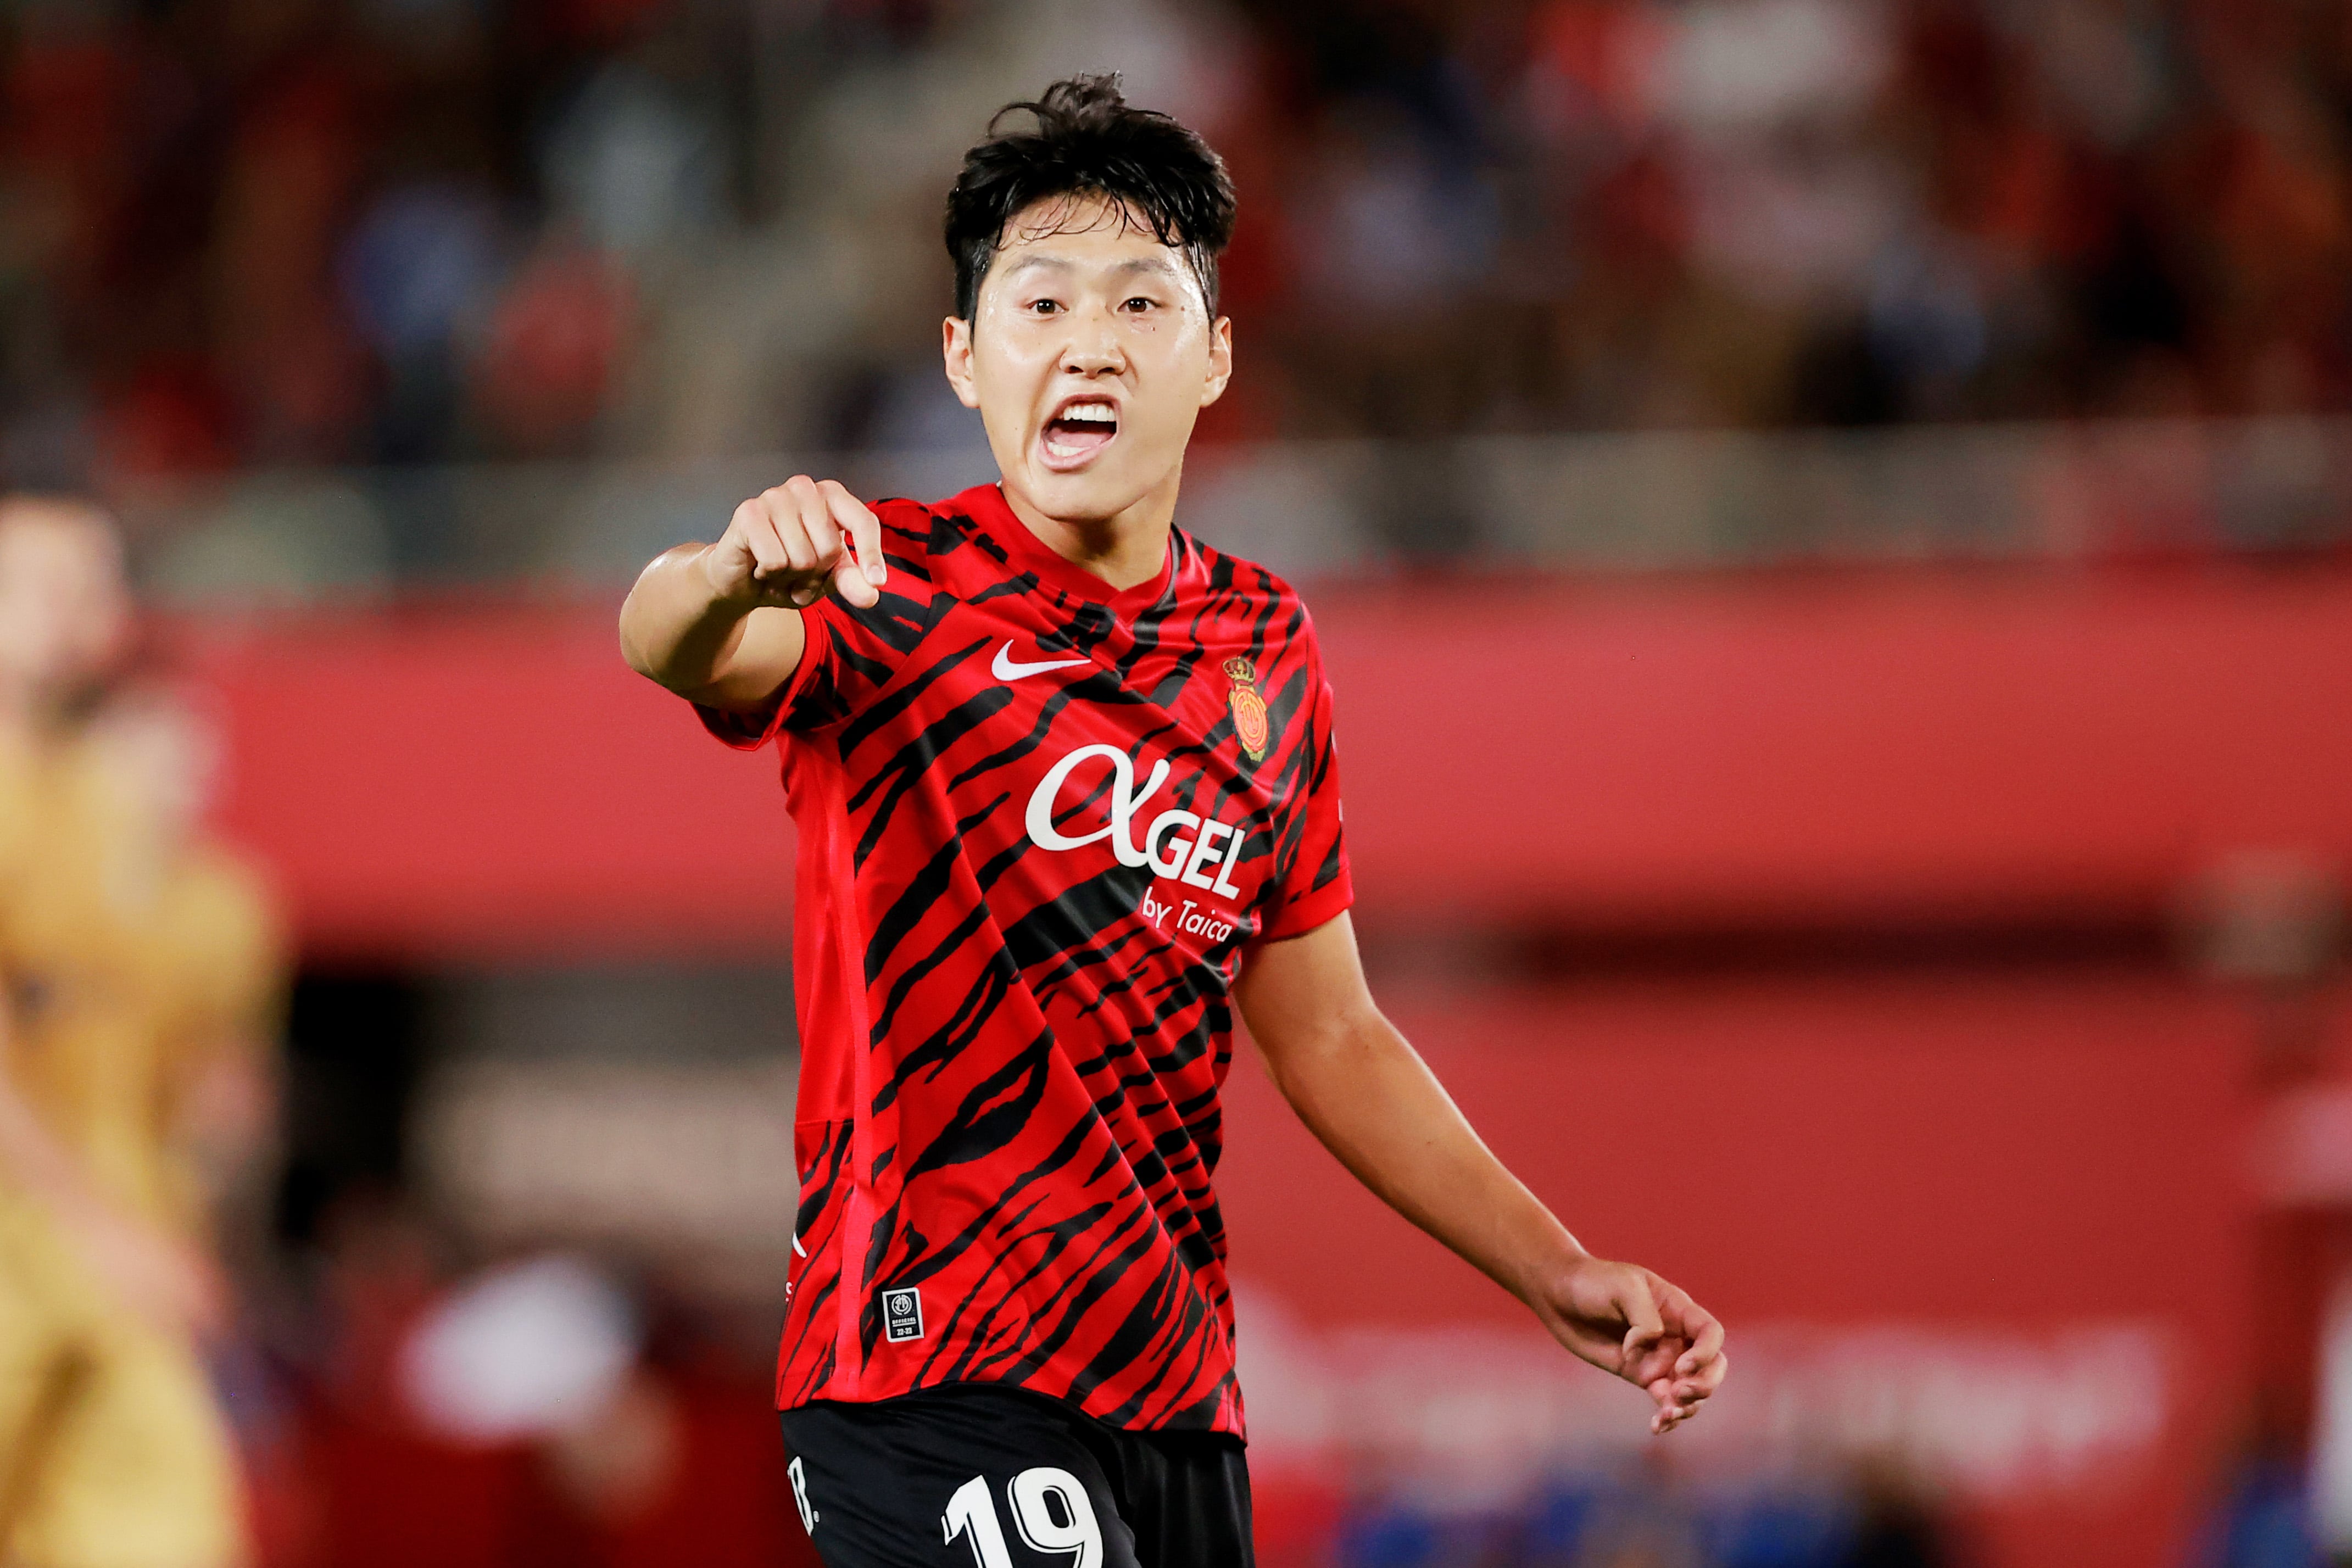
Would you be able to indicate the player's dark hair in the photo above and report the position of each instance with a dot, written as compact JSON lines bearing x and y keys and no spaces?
{"x":1087,"y":141}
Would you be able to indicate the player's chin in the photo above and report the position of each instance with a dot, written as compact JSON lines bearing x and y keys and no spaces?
{"x":1092,"y":493}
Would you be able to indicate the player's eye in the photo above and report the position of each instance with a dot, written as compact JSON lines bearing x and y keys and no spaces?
{"x":1044,"y":307}
{"x":1139,"y":303}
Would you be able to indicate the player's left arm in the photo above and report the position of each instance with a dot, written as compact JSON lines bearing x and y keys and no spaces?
{"x":1361,"y":1088}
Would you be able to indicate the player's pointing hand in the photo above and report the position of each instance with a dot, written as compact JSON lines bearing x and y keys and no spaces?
{"x":791,"y":544}
{"x":1624,"y":1319}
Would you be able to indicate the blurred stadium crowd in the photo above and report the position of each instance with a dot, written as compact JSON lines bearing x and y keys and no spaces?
{"x":301,"y":232}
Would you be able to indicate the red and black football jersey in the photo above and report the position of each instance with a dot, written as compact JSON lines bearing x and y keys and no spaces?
{"x":1041,"y":823}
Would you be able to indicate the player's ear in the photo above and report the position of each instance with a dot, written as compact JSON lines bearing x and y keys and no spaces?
{"x":955,"y":348}
{"x":1221,"y":360}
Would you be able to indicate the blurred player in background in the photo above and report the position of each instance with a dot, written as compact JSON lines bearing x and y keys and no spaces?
{"x":1067,"y":795}
{"x":143,"y":976}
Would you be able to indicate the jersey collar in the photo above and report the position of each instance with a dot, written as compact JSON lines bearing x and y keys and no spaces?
{"x":985,"y":505}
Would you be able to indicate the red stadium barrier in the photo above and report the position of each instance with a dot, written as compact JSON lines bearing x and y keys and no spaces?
{"x":1806,"y":749}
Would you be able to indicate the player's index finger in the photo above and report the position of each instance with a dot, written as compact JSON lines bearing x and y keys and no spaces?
{"x":858,"y":521}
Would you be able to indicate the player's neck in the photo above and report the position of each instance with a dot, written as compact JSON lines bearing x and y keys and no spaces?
{"x":1127,"y":548}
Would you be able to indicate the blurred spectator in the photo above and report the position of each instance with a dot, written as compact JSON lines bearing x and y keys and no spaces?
{"x":634,"y":166}
{"x":418,"y":272}
{"x":552,"y":349}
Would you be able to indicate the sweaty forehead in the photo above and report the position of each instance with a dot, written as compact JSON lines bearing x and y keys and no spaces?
{"x":1083,"y":235}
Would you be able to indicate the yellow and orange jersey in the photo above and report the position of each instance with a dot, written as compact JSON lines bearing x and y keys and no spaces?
{"x":128,"y":971}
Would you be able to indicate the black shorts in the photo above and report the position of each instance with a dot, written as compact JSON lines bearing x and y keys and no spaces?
{"x":976,"y":1476}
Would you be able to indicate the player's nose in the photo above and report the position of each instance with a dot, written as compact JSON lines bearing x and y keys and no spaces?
{"x":1092,"y":347}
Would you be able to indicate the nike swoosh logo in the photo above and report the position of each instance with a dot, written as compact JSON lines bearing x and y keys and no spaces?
{"x":1008,"y":668}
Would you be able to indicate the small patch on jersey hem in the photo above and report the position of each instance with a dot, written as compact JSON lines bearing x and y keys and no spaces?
{"x":902,"y":1315}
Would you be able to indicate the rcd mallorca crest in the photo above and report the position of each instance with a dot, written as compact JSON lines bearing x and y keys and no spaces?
{"x":1249,"y":709}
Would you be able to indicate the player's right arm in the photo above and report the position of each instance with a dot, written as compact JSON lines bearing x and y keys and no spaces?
{"x":719,"y":625}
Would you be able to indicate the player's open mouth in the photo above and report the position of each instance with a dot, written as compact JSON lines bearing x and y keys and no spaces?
{"x":1080,"y":428}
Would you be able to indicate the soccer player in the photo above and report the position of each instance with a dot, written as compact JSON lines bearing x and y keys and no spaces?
{"x":135,"y":973}
{"x":1066,"y":797}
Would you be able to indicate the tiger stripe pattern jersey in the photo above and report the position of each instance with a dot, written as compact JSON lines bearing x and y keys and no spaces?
{"x":1040,"y":822}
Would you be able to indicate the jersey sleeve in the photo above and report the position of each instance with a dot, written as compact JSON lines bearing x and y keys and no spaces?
{"x":1315,"y":886}
{"x":850,"y":654}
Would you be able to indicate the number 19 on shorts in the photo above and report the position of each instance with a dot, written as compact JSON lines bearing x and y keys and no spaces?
{"x":1049,"y":1508}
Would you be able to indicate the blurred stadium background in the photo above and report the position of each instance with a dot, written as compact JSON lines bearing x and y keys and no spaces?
{"x":1829,"y":520}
